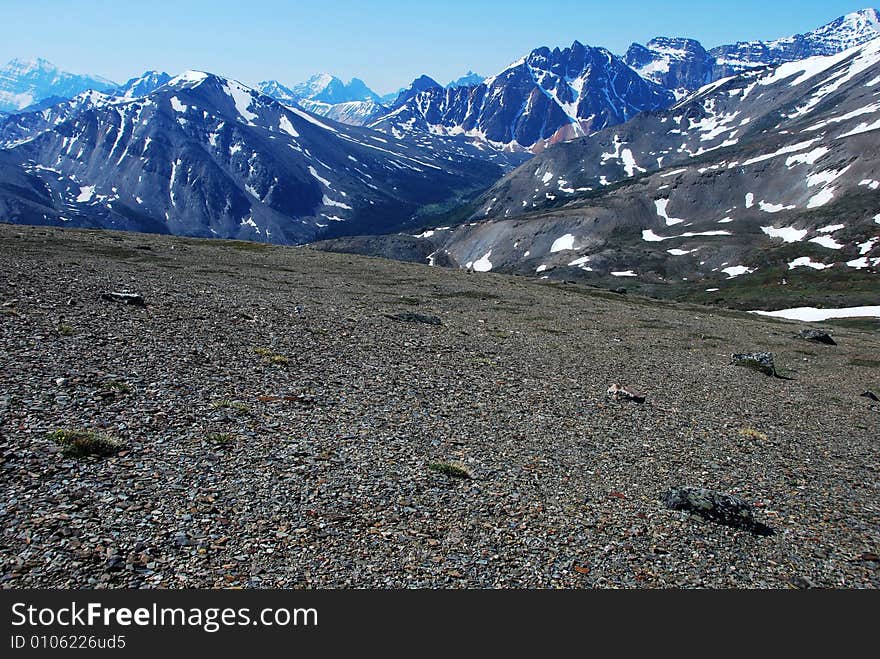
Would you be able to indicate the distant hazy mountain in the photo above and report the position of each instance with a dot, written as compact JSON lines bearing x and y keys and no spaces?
{"x":469,"y":79}
{"x":142,"y":85}
{"x":25,"y":82}
{"x":351,"y":103}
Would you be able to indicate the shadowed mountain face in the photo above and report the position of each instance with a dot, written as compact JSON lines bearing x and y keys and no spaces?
{"x":548,"y":96}
{"x":206,"y":156}
{"x":756,"y":182}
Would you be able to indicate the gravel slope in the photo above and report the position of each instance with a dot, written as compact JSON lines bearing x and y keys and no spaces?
{"x":315,"y":473}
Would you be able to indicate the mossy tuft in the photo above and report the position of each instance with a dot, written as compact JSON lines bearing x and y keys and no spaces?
{"x":449,"y":469}
{"x":82,"y":443}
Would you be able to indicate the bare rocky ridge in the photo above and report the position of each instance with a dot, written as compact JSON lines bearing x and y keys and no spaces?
{"x":281,"y":430}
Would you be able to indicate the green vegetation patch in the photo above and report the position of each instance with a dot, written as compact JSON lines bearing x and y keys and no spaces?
{"x":82,"y":443}
{"x":449,"y":469}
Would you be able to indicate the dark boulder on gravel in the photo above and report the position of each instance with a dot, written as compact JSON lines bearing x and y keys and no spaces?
{"x":717,"y":507}
{"x":757,"y":361}
{"x":870,"y":395}
{"x":133,"y":299}
{"x":617,"y":392}
{"x":411,"y":317}
{"x":816,"y":336}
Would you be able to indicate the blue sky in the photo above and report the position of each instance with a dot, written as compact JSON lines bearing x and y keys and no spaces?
{"x":387,"y":43}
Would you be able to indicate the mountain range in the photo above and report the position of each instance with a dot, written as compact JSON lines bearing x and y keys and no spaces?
{"x":757,"y":186}
{"x":206,"y":156}
{"x":545,"y":97}
{"x":679,"y":170}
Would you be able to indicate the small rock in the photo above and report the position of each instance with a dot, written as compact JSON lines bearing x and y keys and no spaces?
{"x":816,"y":336}
{"x":758,"y":361}
{"x":620,"y":290}
{"x":717,"y":507}
{"x":617,"y":392}
{"x":180,"y":539}
{"x":802,"y":582}
{"x":412,"y":317}
{"x":114,"y":562}
{"x":133,"y":299}
{"x":870,"y":395}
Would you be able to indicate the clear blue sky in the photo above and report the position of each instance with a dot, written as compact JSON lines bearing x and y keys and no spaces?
{"x":387,"y":43}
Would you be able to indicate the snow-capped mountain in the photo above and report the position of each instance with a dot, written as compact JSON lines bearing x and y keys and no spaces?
{"x":845,"y":32}
{"x":545,"y":97}
{"x":769,"y":177}
{"x":421,"y":84}
{"x":351,"y":103}
{"x":469,"y":79}
{"x":678,"y":64}
{"x":279,"y":92}
{"x":142,"y":85}
{"x":684,"y":65}
{"x":25,"y":82}
{"x":206,"y":156}
{"x":326,"y":88}
{"x":20,"y":127}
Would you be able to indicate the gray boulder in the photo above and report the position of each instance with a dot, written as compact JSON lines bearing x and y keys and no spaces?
{"x":817,"y":336}
{"x":717,"y":507}
{"x":757,"y":361}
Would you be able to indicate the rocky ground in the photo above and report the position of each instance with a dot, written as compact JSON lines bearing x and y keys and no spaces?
{"x":282,"y":431}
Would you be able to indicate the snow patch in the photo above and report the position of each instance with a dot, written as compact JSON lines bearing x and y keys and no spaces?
{"x":808,"y":158}
{"x":773,"y":208}
{"x":736,"y":271}
{"x":827,"y":241}
{"x":651,"y":237}
{"x":483,"y":264}
{"x":821,"y":198}
{"x":86,"y":192}
{"x":867,"y":246}
{"x":807,"y":262}
{"x":661,"y":205}
{"x":788,"y":234}
{"x":242,"y":98}
{"x":812,"y":314}
{"x":330,"y":202}
{"x":562,"y":244}
{"x":315,"y":174}
{"x":285,"y":125}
